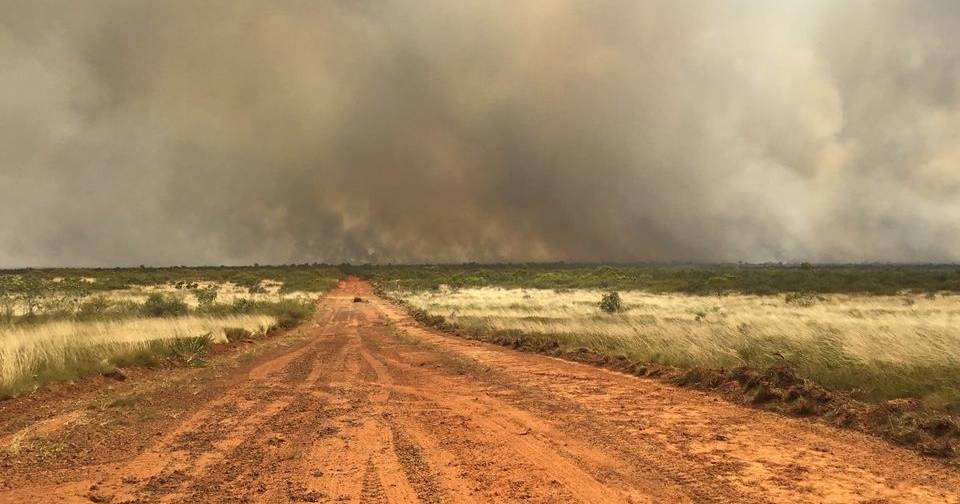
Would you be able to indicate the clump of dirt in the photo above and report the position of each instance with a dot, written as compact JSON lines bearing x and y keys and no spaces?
{"x":358,"y":299}
{"x":115,"y":374}
{"x":906,"y":422}
{"x":779,"y":386}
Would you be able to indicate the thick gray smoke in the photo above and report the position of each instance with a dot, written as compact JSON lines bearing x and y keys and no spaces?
{"x":225,"y":131}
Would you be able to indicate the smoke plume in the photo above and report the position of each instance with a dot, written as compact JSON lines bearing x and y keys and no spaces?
{"x":226,"y":131}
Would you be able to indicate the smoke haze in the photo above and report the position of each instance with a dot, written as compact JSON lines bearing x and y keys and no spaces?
{"x":226,"y":131}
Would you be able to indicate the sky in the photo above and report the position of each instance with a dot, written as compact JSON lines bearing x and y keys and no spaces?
{"x":231,"y":131}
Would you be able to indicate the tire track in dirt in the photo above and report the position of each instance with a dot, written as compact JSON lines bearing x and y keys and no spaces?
{"x":418,"y":472}
{"x":408,"y":454}
{"x":372,"y":491}
{"x":280,"y":477}
{"x":213,"y":439}
{"x":404,"y":454}
{"x":257,"y":464}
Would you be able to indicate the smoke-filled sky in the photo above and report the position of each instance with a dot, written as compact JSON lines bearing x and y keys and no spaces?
{"x":229,"y":131}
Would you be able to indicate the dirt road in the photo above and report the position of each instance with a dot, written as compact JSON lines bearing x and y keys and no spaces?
{"x":362,"y":405}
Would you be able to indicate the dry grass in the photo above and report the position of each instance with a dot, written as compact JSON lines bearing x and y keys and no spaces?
{"x":880,"y":347}
{"x":57,"y":350}
{"x":227,"y":293}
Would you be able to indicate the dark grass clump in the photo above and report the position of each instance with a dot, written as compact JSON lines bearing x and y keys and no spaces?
{"x":289,"y":312}
{"x":158,"y":305}
{"x":234,"y":334}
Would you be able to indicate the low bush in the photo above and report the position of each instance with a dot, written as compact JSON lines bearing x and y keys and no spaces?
{"x":158,"y":305}
{"x":804,"y":299}
{"x":290,"y":313}
{"x":93,"y":308}
{"x":243,"y":305}
{"x":611,"y":302}
{"x":206,"y":297}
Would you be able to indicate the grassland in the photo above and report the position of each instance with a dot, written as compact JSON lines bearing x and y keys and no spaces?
{"x":59,"y":325}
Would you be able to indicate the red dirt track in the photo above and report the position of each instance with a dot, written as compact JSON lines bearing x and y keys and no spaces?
{"x":363,"y":405}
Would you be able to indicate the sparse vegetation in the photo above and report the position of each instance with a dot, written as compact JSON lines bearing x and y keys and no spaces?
{"x":62,"y":324}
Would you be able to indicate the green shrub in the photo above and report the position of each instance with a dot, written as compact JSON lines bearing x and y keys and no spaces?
{"x":206,"y":297}
{"x":7,"y":309}
{"x":290,"y":313}
{"x":804,"y":299}
{"x":243,"y":305}
{"x":611,"y":302}
{"x":93,"y":308}
{"x":158,"y":305}
{"x":124,"y":309}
